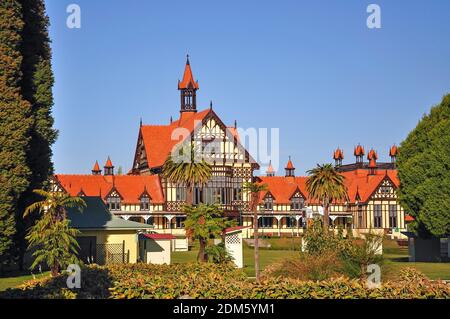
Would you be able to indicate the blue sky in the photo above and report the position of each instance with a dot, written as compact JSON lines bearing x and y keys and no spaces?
{"x":310,"y":68}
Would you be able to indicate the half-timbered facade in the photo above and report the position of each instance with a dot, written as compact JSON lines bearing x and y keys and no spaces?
{"x":144,"y":195}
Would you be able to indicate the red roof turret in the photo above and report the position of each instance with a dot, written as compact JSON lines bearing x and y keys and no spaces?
{"x":372,"y":155}
{"x":338,"y":154}
{"x":188,"y":79}
{"x":289,"y":164}
{"x":393,"y":151}
{"x":108,"y":163}
{"x":359,"y":150}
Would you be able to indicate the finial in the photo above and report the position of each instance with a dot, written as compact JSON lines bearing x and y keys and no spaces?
{"x":140,"y":122}
{"x":187,"y":59}
{"x":235,"y":124}
{"x":210,"y":105}
{"x":171,"y":120}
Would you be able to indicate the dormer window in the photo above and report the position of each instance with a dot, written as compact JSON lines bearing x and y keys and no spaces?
{"x":297,"y":203}
{"x":113,"y":202}
{"x":268,"y":202}
{"x":145,"y":202}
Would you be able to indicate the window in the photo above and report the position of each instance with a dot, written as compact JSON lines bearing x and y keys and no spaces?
{"x":377,"y":216}
{"x":290,"y":222}
{"x":360,"y":217}
{"x":392,"y":216}
{"x":385,"y":189}
{"x":179,"y":222}
{"x":265,"y":222}
{"x":113,"y":203}
{"x":145,"y":202}
{"x":180,"y":193}
{"x":150,"y":221}
{"x":297,"y":203}
{"x":268,"y":202}
{"x":237,"y":193}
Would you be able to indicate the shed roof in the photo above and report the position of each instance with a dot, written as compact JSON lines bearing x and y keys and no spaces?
{"x":97,"y":216}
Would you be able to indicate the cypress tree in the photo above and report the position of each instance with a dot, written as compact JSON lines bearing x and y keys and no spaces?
{"x":36,"y":84}
{"x":424,"y":172}
{"x":14,"y":124}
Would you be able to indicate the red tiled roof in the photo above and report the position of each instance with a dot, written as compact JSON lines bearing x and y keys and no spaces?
{"x":159,"y":140}
{"x":373,"y":163}
{"x":357,"y":182}
{"x":409,"y":218}
{"x":159,"y":236}
{"x":282,"y":188}
{"x":130,"y":187}
{"x":188,"y":79}
{"x":108,"y":163}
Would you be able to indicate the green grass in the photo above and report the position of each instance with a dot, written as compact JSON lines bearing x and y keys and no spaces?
{"x":395,"y":258}
{"x":16,"y":279}
{"x":266,"y":257}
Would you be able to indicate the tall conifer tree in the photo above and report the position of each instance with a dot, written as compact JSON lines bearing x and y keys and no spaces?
{"x":14,"y":124}
{"x":37,"y":83}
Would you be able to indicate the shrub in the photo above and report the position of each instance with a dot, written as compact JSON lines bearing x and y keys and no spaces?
{"x":354,"y":255}
{"x":217,"y":281}
{"x":307,"y":267}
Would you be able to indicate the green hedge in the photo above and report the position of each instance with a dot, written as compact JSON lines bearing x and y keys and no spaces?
{"x":194,"y":280}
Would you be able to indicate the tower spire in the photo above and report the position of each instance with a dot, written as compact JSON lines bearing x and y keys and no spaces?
{"x":188,"y":89}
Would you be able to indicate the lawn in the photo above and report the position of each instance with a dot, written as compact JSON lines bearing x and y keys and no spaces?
{"x":14,"y":280}
{"x":395,"y":258}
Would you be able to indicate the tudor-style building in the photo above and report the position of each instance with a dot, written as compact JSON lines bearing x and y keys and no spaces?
{"x":144,"y":195}
{"x":372,"y":202}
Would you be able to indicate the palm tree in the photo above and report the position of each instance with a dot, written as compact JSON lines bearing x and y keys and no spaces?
{"x":255,"y":190}
{"x":52,"y":236}
{"x":187,"y":168}
{"x":325,"y":184}
{"x":203,"y":222}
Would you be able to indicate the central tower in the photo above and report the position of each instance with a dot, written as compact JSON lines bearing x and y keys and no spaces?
{"x":188,"y":90}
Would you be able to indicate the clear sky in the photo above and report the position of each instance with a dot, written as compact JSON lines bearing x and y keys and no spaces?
{"x":310,"y":68}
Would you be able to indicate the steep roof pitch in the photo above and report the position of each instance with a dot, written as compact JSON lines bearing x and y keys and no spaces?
{"x":188,"y":81}
{"x":130,"y":187}
{"x":159,"y":140}
{"x":283,"y":188}
{"x":357,"y":182}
